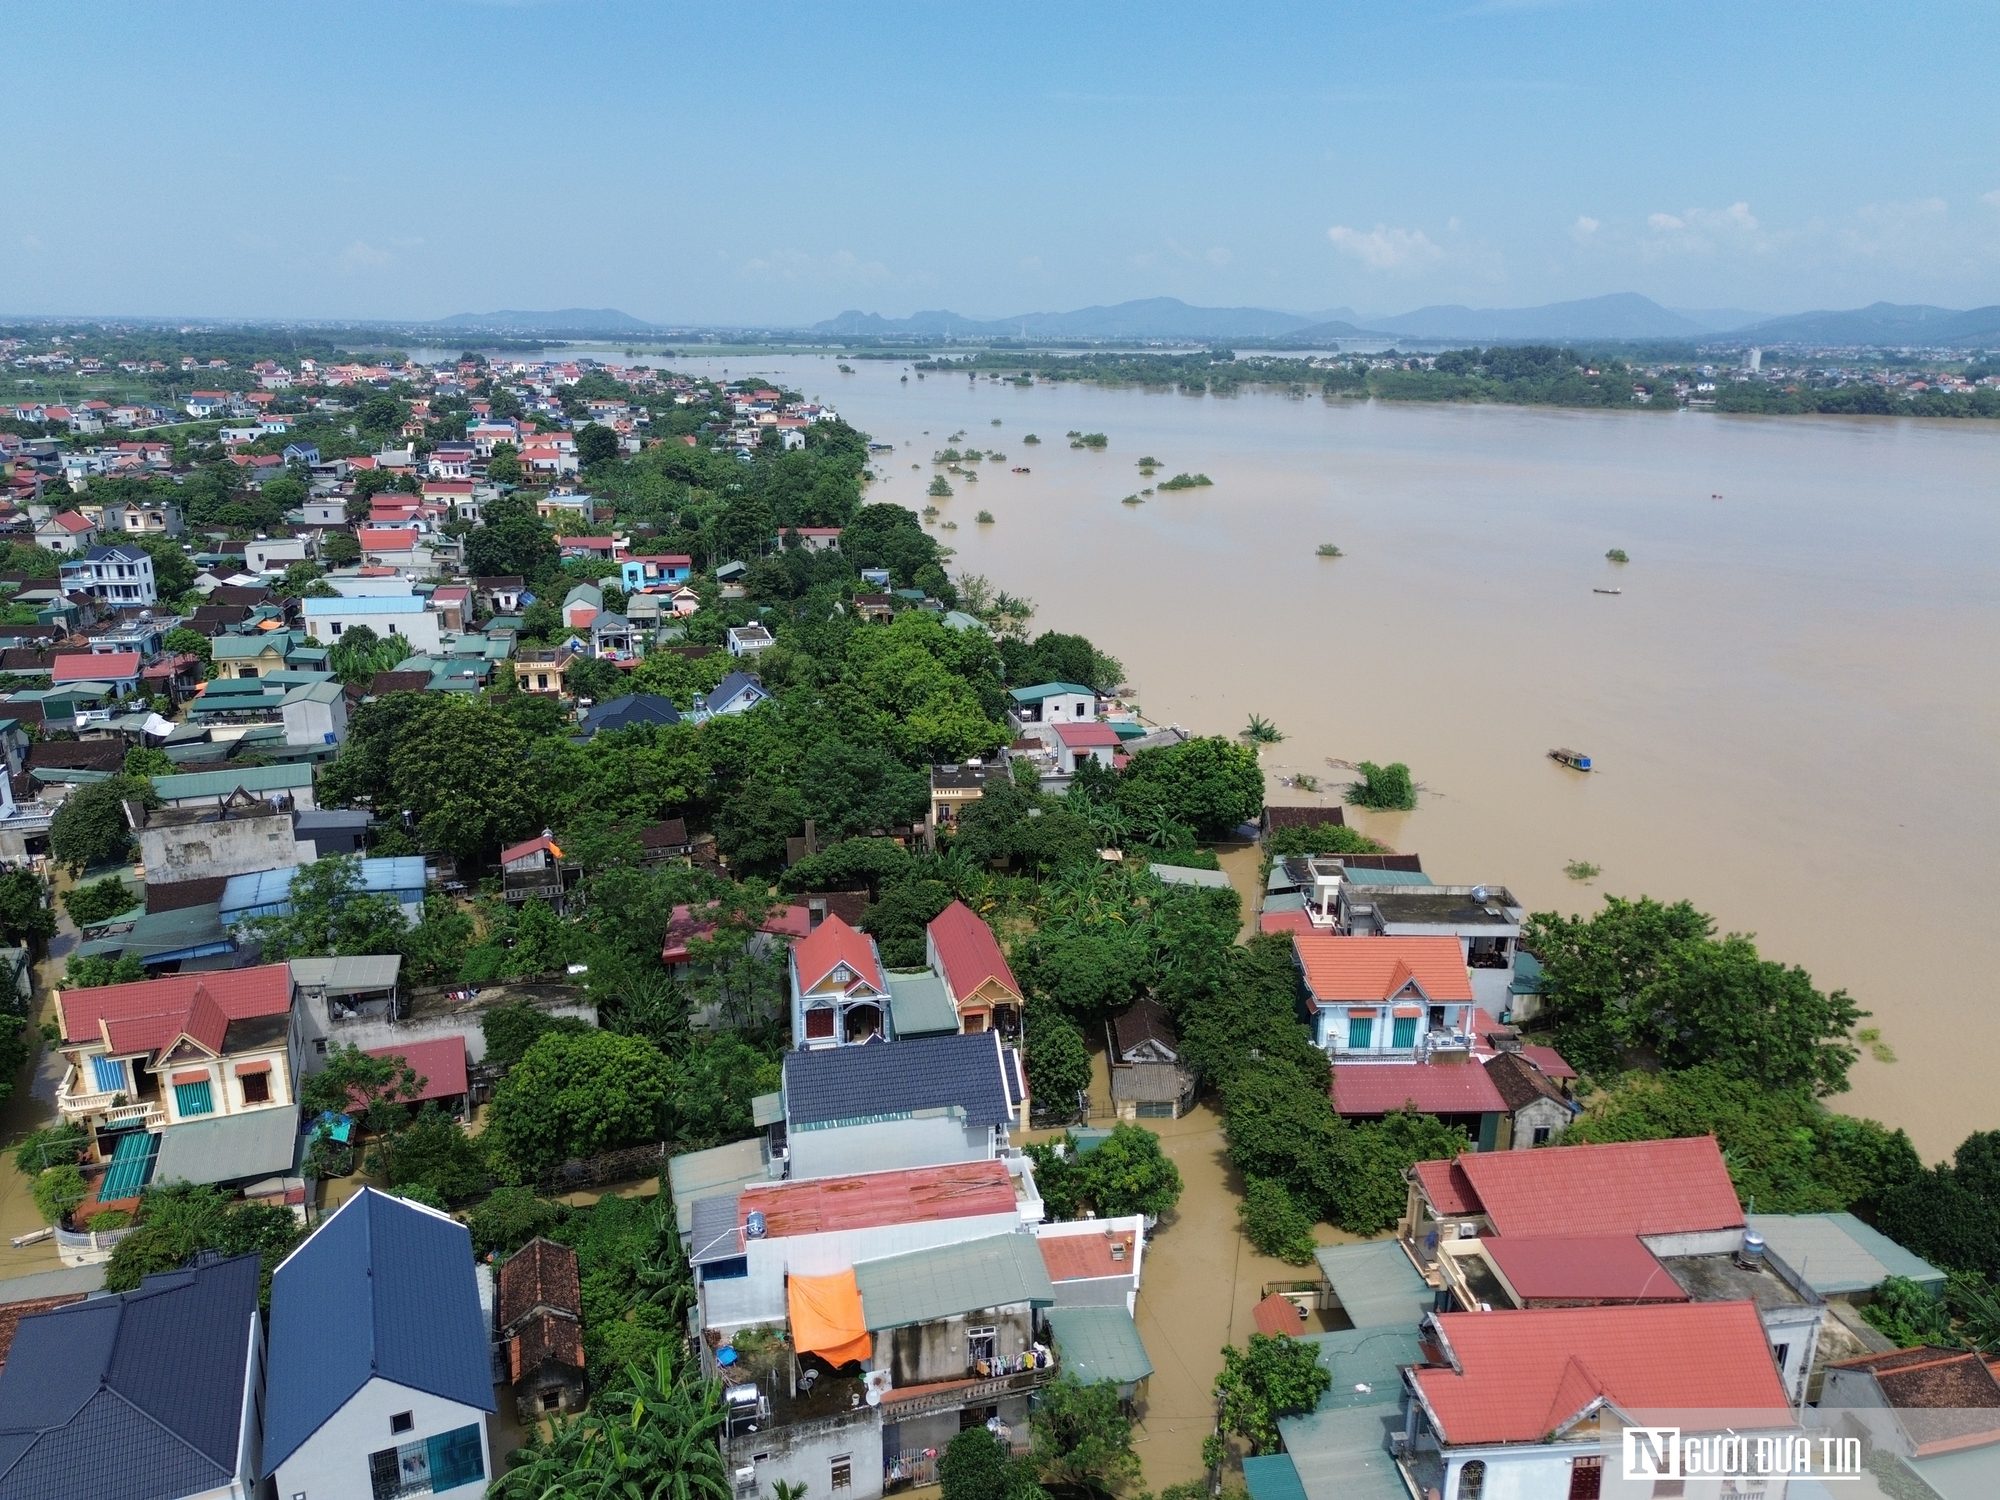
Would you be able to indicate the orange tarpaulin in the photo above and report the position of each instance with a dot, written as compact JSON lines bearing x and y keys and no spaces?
{"x":826,"y":1317}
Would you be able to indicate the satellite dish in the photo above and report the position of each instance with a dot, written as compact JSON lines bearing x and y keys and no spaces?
{"x":874,"y":1396}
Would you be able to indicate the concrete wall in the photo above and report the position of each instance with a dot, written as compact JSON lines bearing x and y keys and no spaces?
{"x":232,"y":846}
{"x":365,"y":1031}
{"x":804,"y":1454}
{"x":924,"y":1352}
{"x":333,"y":1463}
{"x":886,"y":1146}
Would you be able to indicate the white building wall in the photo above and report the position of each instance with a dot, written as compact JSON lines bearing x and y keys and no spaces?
{"x":418,"y":627}
{"x":333,"y":1463}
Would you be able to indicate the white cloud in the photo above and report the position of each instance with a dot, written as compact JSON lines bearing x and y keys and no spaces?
{"x":1992,"y":199}
{"x":842,"y":268}
{"x":1452,"y":224}
{"x":1386,"y":249}
{"x":1584,"y":227}
{"x":1032,"y":263}
{"x":1665,"y":221}
{"x":1218,"y":256}
{"x":362,"y":256}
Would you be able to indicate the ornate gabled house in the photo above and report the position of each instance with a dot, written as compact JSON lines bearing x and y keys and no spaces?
{"x":840,"y":995}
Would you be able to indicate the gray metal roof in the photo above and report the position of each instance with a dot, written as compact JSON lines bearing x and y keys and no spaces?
{"x":715,"y":1232}
{"x":1099,"y":1343}
{"x":230,"y":1148}
{"x":891,"y":1078}
{"x":252,"y":779}
{"x":1837,"y":1254}
{"x":1377,"y":1285}
{"x":720,"y":1171}
{"x":138,"y":1395}
{"x":921,"y":1005}
{"x":378,"y":971}
{"x":925,"y":1285}
{"x":384,"y":1287}
{"x":1214,"y":880}
{"x":62,"y":1283}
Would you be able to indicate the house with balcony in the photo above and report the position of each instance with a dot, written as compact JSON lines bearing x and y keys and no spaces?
{"x":840,"y":996}
{"x":119,"y":576}
{"x":161,"y":1053}
{"x":533,"y":868}
{"x":963,"y":952}
{"x":1385,"y":999}
{"x":1050,"y":703}
{"x":953,"y":787}
{"x":1526,"y":1402}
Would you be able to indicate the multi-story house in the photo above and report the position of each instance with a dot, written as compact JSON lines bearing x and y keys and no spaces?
{"x":162,"y":1053}
{"x":655,"y":571}
{"x":963,"y":952}
{"x":840,"y":995}
{"x":120,"y":576}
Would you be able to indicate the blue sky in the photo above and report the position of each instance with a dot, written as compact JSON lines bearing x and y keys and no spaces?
{"x":718,"y":163}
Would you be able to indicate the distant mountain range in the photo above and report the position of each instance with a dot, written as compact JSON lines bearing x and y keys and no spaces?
{"x":1620,"y":316}
{"x":565,"y":320}
{"x":1884,"y":323}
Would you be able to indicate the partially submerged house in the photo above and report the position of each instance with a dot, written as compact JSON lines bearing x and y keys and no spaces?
{"x":539,"y":1304}
{"x":1148,"y":1079}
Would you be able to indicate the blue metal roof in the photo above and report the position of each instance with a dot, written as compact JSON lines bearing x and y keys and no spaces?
{"x":267,"y":893}
{"x":138,"y":1395}
{"x":384,"y":1287}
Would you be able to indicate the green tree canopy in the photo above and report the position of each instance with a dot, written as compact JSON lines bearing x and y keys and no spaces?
{"x":90,"y":828}
{"x":331,"y":914}
{"x":1272,"y":1377}
{"x":577,"y":1094}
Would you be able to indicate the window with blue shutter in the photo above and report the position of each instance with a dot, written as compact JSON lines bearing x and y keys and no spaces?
{"x":194,"y":1099}
{"x":109,"y":1073}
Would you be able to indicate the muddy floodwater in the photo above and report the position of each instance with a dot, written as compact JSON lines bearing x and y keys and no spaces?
{"x":1793,"y":704}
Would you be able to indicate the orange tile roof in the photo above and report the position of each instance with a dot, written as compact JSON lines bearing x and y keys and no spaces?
{"x":1278,"y":1314}
{"x":1627,"y":1187}
{"x":916,"y":1196}
{"x":1521,"y":1375}
{"x":1084,"y":1257}
{"x":1375,"y":968}
{"x":828,"y":946}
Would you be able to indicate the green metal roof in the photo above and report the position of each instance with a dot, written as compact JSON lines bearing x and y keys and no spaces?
{"x":1385,"y":877}
{"x":1837,"y":1254}
{"x":1043,"y":690}
{"x":1271,"y":1476}
{"x":926,"y":1285}
{"x":958,"y":619}
{"x":1099,"y":1343}
{"x":252,"y":779}
{"x":1377,"y":1285}
{"x":919,"y":1005}
{"x":195,"y":930}
{"x":1342,"y":1448}
{"x":318,"y":692}
{"x":249,"y":647}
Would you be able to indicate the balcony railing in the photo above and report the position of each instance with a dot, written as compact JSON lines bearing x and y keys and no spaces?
{"x":98,"y":1104}
{"x":921,"y":1401}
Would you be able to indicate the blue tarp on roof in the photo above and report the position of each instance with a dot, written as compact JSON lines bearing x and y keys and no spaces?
{"x":384,"y":1287}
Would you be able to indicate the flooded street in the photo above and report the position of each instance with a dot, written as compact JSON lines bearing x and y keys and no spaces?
{"x":1794,"y":704}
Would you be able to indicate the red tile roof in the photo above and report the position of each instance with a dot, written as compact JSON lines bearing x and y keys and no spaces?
{"x":1084,"y":1257}
{"x":1432,"y":1088}
{"x":683,"y":927}
{"x":1284,"y":921}
{"x":1583,"y":1267}
{"x":968,"y":953}
{"x":102,"y":666}
{"x":71,"y":522}
{"x":1522,"y":1375}
{"x":1445,"y":1184}
{"x":439,"y":1065}
{"x":919,"y":1195}
{"x":388,"y":538}
{"x":1376,"y":968}
{"x":1278,"y":1314}
{"x":1628,"y":1187}
{"x":830,"y":945}
{"x":523,"y":850}
{"x":1549,"y":1061}
{"x":238,"y":994}
{"x":1087,"y":736}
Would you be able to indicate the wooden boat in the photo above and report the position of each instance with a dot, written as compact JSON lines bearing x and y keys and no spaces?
{"x":1576,"y":760}
{"x":1020,"y":471}
{"x":1607,"y":591}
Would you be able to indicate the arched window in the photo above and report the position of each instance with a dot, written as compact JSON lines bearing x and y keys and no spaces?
{"x":1472,"y":1480}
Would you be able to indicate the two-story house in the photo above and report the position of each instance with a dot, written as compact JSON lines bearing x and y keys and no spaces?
{"x":66,"y":532}
{"x":162,"y":1053}
{"x":840,"y":995}
{"x":1051,"y":703}
{"x":381,"y":1367}
{"x":533,"y":868}
{"x":1379,"y":999}
{"x":655,"y":572}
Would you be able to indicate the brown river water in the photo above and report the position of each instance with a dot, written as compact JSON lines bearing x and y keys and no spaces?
{"x":1793,"y":705}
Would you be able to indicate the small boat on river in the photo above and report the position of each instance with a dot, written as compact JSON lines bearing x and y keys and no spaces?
{"x":1607,"y":591}
{"x":1576,"y":760}
{"x":1020,"y":471}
